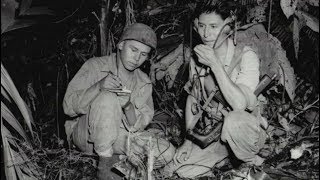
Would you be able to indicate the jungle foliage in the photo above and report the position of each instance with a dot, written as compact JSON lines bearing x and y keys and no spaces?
{"x":43,"y":44}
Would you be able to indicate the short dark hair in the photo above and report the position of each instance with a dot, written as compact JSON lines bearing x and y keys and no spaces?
{"x":224,"y":8}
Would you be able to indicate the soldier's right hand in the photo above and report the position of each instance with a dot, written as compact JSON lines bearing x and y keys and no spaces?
{"x":111,"y":81}
{"x":183,"y":153}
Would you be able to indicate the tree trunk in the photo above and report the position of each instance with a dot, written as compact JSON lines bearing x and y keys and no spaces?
{"x":104,"y":20}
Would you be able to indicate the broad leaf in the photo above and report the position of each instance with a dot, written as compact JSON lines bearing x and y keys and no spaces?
{"x":273,"y":59}
{"x":285,"y":71}
{"x":287,"y":76}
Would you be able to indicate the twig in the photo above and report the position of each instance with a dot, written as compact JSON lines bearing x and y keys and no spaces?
{"x":57,"y":105}
{"x":284,"y":84}
{"x":95,"y":15}
{"x":150,"y":159}
{"x":304,"y":109}
{"x":59,"y":21}
{"x":303,"y":138}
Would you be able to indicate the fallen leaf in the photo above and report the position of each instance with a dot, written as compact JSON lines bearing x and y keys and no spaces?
{"x":284,"y":123}
{"x":283,"y":142}
{"x":297,"y":152}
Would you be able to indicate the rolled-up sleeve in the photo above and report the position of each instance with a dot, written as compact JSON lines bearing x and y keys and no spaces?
{"x":77,"y":87}
{"x":248,"y":77}
{"x":144,"y":107}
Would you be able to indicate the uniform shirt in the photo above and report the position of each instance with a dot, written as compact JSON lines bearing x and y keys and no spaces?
{"x":245,"y":74}
{"x":96,"y":69}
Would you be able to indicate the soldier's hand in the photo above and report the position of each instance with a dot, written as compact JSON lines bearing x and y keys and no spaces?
{"x":183,"y":153}
{"x":111,"y":81}
{"x":207,"y":56}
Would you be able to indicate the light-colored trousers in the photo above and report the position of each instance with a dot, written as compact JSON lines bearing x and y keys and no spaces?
{"x":241,"y":131}
{"x":102,"y":131}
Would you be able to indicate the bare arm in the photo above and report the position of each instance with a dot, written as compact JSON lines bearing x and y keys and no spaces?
{"x":231,"y":91}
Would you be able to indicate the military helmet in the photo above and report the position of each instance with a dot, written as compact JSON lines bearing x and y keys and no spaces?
{"x":140,"y":32}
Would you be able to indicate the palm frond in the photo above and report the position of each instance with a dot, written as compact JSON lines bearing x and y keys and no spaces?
{"x":10,"y":171}
{"x":11,"y":119}
{"x":17,"y":166}
{"x":16,"y":161}
{"x":8,"y":85}
{"x":5,"y":94}
{"x":25,"y":164}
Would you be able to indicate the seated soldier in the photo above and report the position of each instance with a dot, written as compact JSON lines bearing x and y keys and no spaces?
{"x":111,"y":97}
{"x":241,"y":131}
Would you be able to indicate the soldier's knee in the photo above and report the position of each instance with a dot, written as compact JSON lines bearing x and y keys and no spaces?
{"x":105,"y":98}
{"x":233,"y":122}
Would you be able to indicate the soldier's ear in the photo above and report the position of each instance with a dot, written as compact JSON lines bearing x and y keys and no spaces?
{"x":196,"y":24}
{"x":120,"y":45}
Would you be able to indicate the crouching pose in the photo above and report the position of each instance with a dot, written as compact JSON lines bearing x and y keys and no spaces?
{"x":211,"y":71}
{"x":111,"y":99}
